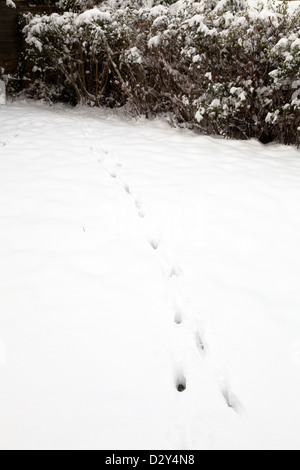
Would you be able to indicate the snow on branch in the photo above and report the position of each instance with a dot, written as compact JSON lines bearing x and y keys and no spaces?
{"x":10,"y":3}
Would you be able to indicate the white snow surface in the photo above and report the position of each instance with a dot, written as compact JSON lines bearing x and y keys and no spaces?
{"x":136,"y":258}
{"x":10,"y":3}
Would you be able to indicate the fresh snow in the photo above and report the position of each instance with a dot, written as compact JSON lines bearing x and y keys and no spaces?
{"x":137,"y":259}
{"x":92,"y":15}
{"x":10,"y":3}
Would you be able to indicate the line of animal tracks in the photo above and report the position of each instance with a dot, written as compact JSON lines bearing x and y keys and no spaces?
{"x":187,"y":328}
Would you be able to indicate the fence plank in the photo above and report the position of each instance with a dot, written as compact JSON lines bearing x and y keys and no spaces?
{"x":9,"y":38}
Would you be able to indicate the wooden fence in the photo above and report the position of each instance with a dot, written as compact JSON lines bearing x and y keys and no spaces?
{"x":10,"y":37}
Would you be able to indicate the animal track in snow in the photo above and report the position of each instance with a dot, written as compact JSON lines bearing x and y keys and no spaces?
{"x":200,"y":343}
{"x":113,"y":174}
{"x":180,"y":382}
{"x":230,"y":398}
{"x":127,"y":188}
{"x":178,"y":317}
{"x":113,"y":171}
{"x":170,"y":271}
{"x":154,"y":243}
{"x":175,"y":271}
{"x":138,"y":204}
{"x":142,"y":214}
{"x":6,"y":140}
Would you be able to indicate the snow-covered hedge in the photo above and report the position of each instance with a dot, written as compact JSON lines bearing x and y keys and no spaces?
{"x":217,"y":66}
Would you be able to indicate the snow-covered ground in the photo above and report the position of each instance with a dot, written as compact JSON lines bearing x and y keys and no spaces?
{"x":136,"y":259}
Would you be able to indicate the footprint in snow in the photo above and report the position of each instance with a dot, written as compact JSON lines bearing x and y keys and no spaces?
{"x":113,"y":174}
{"x":178,"y":317}
{"x":142,"y":214}
{"x":175,"y":271}
{"x":154,"y":243}
{"x":200,"y":344}
{"x":231,"y":399}
{"x":127,"y":188}
{"x":180,"y":382}
{"x":138,"y":204}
